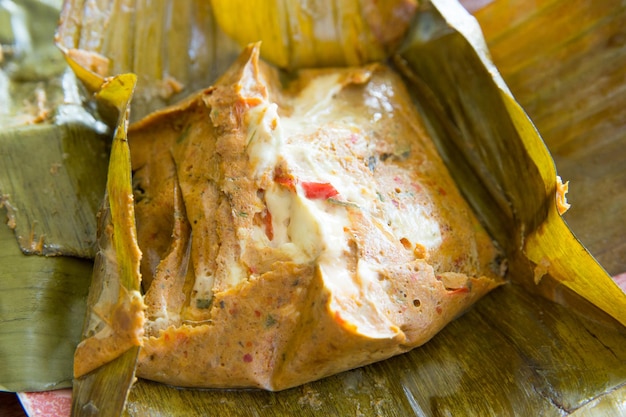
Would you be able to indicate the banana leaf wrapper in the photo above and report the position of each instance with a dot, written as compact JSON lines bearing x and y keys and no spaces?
{"x":504,"y":218}
{"x":318,"y":34}
{"x":53,"y":159}
{"x":175,"y":47}
{"x":522,"y":215}
{"x":115,"y":309}
{"x":574,"y":93}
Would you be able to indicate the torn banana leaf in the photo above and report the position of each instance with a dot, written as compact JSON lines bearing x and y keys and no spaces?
{"x":53,"y":152}
{"x":114,"y":323}
{"x":318,"y":33}
{"x":490,"y":159}
{"x":174,"y":47}
{"x":53,"y":159}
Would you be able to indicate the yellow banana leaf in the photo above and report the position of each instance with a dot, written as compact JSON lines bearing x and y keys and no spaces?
{"x":114,"y":321}
{"x":522,"y":215}
{"x":151,"y":39}
{"x":318,"y":33}
{"x":572,"y":86}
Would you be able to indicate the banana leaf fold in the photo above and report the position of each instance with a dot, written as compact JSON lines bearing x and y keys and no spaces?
{"x":151,"y":40}
{"x":114,"y":299}
{"x":53,"y":160}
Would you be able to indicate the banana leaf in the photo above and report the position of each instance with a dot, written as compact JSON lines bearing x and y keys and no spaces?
{"x":512,"y":354}
{"x":53,"y":158}
{"x":521,"y":377}
{"x":38,"y":333}
{"x":490,"y":158}
{"x":46,"y":141}
{"x":114,"y":296}
{"x":150,"y":39}
{"x":52,"y":178}
{"x":574,"y":92}
{"x":322,"y":33}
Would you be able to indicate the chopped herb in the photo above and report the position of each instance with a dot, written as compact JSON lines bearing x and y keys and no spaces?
{"x":403,"y":154}
{"x":252,"y":137}
{"x":342,"y":203}
{"x":204,"y":303}
{"x":270,"y":321}
{"x":183,"y":135}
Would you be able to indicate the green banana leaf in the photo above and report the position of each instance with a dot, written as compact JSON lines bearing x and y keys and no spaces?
{"x":53,"y":159}
{"x":53,"y":153}
{"x":38,"y":333}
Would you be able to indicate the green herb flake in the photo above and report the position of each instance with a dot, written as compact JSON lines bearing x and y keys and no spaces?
{"x":270,"y":321}
{"x":342,"y":203}
{"x":183,"y":135}
{"x":204,"y":303}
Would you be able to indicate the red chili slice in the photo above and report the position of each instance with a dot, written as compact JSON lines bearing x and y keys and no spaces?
{"x":322,"y":190}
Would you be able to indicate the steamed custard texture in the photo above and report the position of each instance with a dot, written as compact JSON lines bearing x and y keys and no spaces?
{"x":295,"y":230}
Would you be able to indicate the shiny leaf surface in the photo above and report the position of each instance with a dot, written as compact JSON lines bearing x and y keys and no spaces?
{"x":38,"y":334}
{"x":489,"y":159}
{"x":116,"y":279}
{"x":318,"y":34}
{"x":174,"y":47}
